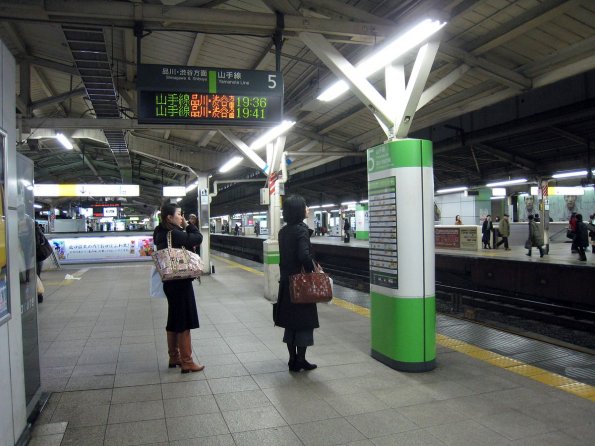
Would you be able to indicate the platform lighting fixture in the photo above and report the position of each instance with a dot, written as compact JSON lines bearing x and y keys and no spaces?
{"x":348,"y":203}
{"x":497,"y":198}
{"x":313,"y":207}
{"x":64,"y":141}
{"x":231,"y":164}
{"x":328,"y":205}
{"x":452,"y":189}
{"x":507,"y":182}
{"x":363,"y":201}
{"x":37,"y":206}
{"x":388,"y":54}
{"x":192,"y":186}
{"x":577,"y":173}
{"x":272,"y":134}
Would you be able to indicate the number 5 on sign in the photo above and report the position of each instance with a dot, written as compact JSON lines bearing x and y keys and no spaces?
{"x":272,"y":81}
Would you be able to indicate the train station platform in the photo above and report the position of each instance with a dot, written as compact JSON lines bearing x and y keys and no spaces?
{"x":104,"y":360}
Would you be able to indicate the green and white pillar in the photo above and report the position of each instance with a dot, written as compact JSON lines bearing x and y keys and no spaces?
{"x":402,"y":265}
{"x":362,"y":222}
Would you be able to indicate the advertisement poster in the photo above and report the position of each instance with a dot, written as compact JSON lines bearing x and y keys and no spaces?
{"x":4,"y":298}
{"x":91,"y":249}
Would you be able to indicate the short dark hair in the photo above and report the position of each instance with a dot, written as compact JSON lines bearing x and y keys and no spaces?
{"x":506,"y":215}
{"x":579,"y":217}
{"x":294,"y":209}
{"x":530,"y":217}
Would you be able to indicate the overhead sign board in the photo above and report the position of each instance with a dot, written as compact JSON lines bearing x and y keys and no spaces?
{"x":172,"y":94}
{"x":174,"y":191}
{"x":86,"y":190}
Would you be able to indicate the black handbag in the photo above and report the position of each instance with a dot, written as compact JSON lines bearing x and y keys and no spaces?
{"x":43,"y":248}
{"x":569,"y":234}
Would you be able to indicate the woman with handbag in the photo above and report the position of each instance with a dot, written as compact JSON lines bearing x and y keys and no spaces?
{"x":295,"y":252}
{"x":182,"y":315}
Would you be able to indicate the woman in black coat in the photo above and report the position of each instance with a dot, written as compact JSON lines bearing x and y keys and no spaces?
{"x":182,"y":315}
{"x":295,"y":252}
{"x":581,"y":237}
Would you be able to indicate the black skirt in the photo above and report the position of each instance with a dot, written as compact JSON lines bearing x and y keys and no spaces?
{"x":182,"y":314}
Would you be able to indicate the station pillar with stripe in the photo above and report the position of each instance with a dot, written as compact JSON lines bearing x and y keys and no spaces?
{"x":402,"y":264}
{"x":270,"y":247}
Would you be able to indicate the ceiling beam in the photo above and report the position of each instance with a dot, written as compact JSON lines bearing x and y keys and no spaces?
{"x":544,"y":12}
{"x":504,"y":76}
{"x":58,"y":98}
{"x":108,"y":13}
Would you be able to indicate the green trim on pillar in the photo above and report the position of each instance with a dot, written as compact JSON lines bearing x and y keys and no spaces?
{"x":404,"y":329}
{"x":400,"y":153}
{"x":362,"y":235}
{"x":271,"y":258}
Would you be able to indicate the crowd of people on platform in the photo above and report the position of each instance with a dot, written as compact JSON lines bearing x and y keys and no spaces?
{"x":580,"y":233}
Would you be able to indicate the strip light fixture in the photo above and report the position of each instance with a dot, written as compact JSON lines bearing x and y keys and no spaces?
{"x":507,"y":182}
{"x":452,"y":189}
{"x":578,"y":173}
{"x":388,"y":54}
{"x":64,"y":141}
{"x":272,"y":134}
{"x":231,"y":164}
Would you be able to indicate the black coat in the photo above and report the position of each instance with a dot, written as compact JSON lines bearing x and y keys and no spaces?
{"x":581,"y":237}
{"x":295,"y":252}
{"x":182,"y":314}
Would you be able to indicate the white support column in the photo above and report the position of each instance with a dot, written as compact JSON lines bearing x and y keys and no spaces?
{"x":415,"y":86}
{"x":271,"y":245}
{"x":204,"y":209}
{"x":358,"y":84}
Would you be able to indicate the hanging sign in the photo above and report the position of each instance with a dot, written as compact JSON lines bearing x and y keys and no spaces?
{"x":171,"y":94}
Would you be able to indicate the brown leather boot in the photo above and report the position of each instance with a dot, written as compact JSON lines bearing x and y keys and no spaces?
{"x":185,"y":342}
{"x":173,"y":350}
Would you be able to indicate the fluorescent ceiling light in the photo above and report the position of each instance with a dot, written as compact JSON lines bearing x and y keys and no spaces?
{"x":313,"y":207}
{"x":578,"y":173}
{"x":271,"y":135}
{"x":348,"y":203}
{"x":389,"y":53}
{"x":231,"y":164}
{"x":497,"y":198}
{"x":327,"y":205}
{"x":363,"y":201}
{"x":191,"y":187}
{"x":452,"y":189}
{"x":37,"y":206}
{"x":498,"y":192}
{"x":507,"y":182}
{"x":64,"y":141}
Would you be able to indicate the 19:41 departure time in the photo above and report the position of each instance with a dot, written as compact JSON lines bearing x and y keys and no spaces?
{"x":248,"y":107}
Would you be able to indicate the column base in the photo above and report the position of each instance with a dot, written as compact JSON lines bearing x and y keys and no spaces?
{"x":412,"y":367}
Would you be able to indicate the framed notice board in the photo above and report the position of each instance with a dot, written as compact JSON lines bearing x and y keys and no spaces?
{"x":172,"y":94}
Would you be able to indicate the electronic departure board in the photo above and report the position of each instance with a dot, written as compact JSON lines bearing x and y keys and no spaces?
{"x":193,"y":95}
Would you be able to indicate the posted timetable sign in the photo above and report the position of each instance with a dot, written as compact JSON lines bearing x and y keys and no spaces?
{"x":171,"y":94}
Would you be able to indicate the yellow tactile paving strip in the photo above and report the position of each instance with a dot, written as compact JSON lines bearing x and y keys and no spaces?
{"x":543,"y":376}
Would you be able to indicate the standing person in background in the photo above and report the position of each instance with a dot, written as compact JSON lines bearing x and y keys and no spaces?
{"x":486,"y":231}
{"x":572,"y":232}
{"x":535,"y":237}
{"x":346,"y":228}
{"x":295,"y":253}
{"x":504,"y":231}
{"x":182,"y":315}
{"x":458,"y":220}
{"x":192,"y":225}
{"x":581,"y":237}
{"x":592,"y":232}
{"x":257,"y":228}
